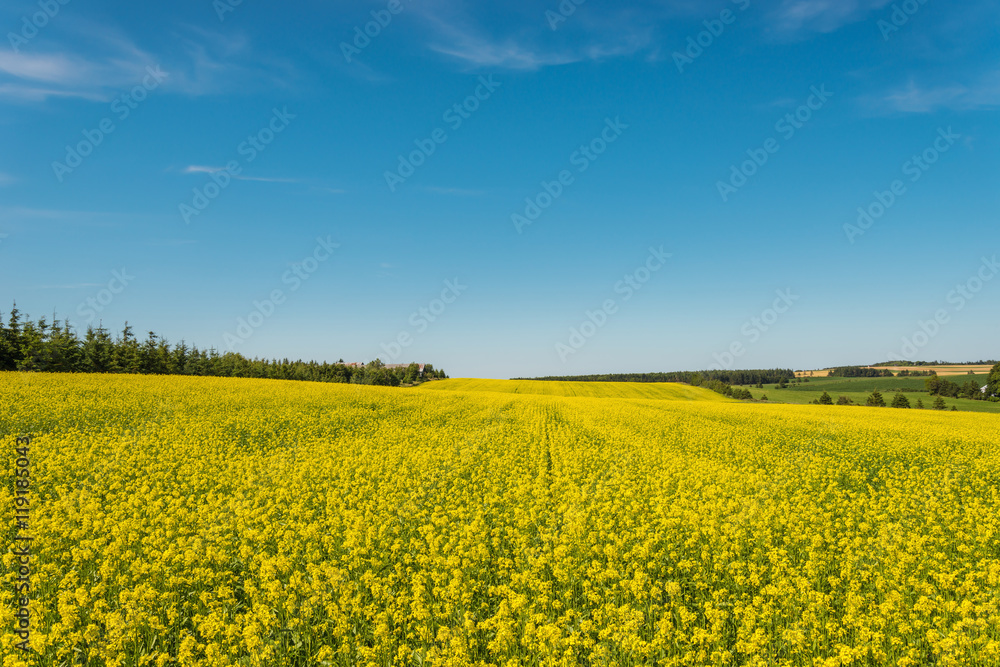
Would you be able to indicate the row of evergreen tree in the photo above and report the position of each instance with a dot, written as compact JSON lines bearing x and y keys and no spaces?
{"x":859,"y":372}
{"x":54,"y":347}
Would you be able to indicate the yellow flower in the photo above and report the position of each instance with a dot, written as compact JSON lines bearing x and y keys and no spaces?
{"x":478,"y":522}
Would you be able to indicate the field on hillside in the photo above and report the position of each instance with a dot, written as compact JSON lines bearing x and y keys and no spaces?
{"x":858,"y":390}
{"x":211,"y":521}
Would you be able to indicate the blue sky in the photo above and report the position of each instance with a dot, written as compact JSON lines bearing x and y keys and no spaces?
{"x":496,"y":190}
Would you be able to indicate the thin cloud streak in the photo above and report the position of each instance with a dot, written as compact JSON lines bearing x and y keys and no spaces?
{"x":202,"y":169}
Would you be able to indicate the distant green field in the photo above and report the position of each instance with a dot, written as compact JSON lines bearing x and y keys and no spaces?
{"x":867,"y":384}
{"x":858,"y":389}
{"x":859,"y":384}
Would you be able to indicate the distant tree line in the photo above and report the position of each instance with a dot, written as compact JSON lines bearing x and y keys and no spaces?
{"x":27,"y":345}
{"x":696,"y":378}
{"x":859,"y":372}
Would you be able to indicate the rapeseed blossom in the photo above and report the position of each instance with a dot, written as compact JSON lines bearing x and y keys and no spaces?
{"x":216,"y":521}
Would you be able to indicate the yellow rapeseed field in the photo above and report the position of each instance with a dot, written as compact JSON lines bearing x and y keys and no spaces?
{"x":208,"y":521}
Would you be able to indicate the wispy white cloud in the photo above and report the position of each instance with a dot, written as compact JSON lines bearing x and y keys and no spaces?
{"x":46,"y":68}
{"x":203,"y":169}
{"x":463,"y":34}
{"x":32,"y":93}
{"x":792,"y":16}
{"x":96,"y":62}
{"x":914,"y":99}
{"x":37,"y":76}
{"x":200,"y":169}
{"x":983,"y":93}
{"x":212,"y":63}
{"x":478,"y":50}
